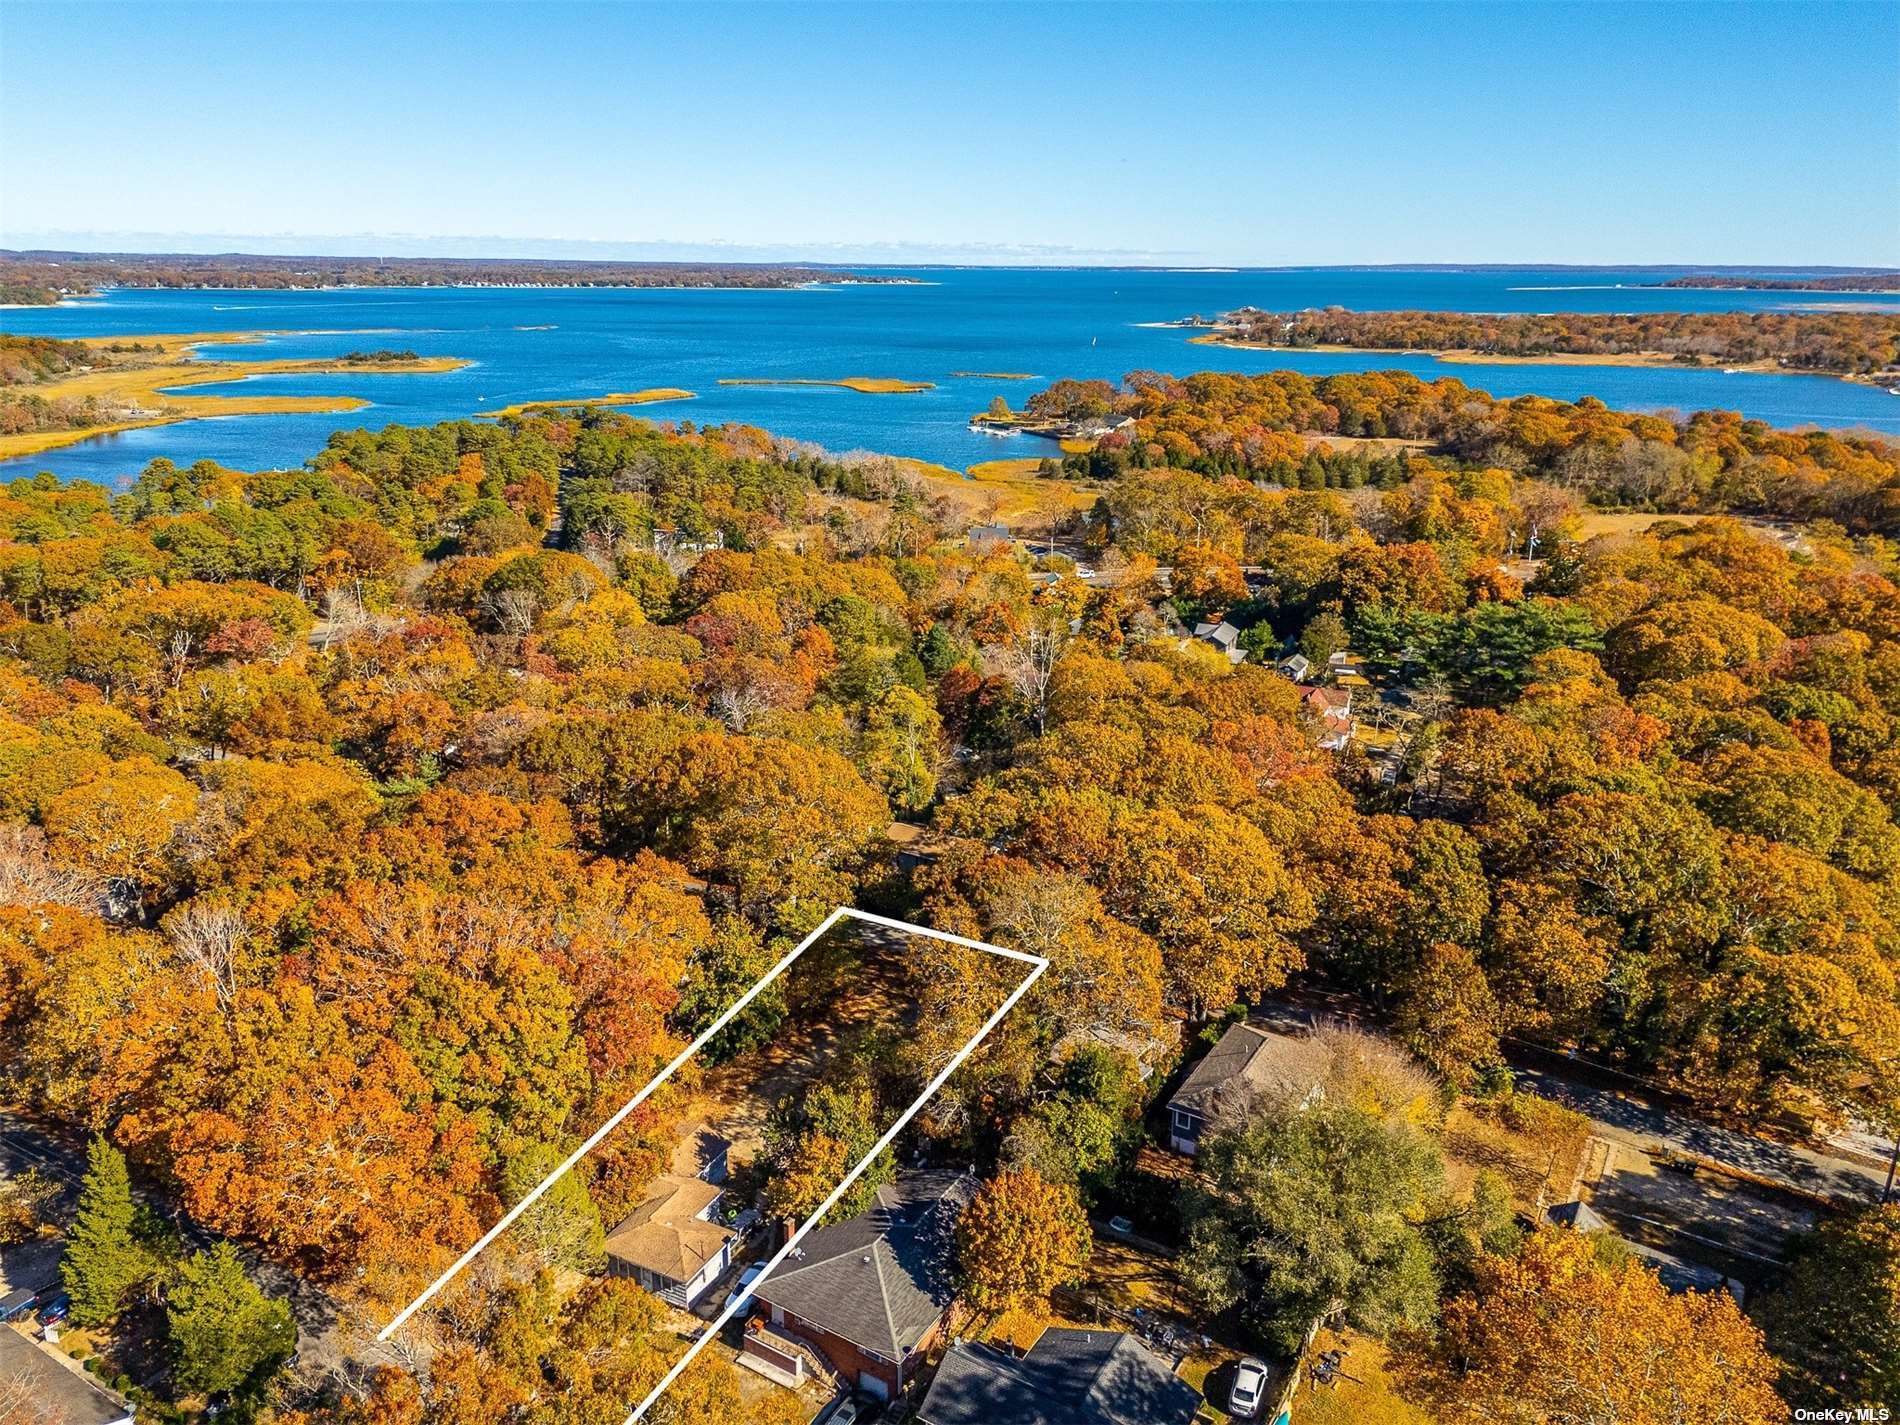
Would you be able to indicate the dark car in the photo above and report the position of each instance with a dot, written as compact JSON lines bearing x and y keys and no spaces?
{"x":55,"y":1310}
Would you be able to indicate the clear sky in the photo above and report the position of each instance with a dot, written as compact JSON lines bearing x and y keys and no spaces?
{"x":1215,"y":134}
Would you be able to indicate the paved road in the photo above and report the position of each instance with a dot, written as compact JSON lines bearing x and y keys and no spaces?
{"x":1632,"y":1121}
{"x":332,"y":1340}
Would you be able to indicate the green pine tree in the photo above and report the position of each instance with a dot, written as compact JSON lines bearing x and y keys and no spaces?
{"x":226,"y":1333}
{"x":104,"y":1257}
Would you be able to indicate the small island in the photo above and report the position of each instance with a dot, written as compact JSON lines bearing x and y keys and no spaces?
{"x":612,"y":398}
{"x":1856,"y":346}
{"x":868,"y":385}
{"x":55,"y":393}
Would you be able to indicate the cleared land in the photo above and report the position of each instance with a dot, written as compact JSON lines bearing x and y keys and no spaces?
{"x":869,"y":385}
{"x":140,"y":391}
{"x":1007,"y":492}
{"x":612,"y":398}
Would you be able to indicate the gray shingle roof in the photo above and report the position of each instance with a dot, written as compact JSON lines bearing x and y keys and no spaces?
{"x":55,"y":1395}
{"x":1068,"y":1378}
{"x":1249,"y":1062}
{"x":1578,"y":1216}
{"x":883,"y":1279}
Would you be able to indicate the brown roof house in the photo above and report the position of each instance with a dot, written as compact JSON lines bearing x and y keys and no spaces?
{"x":1248,"y":1063}
{"x":869,"y":1295}
{"x":1068,"y":1377}
{"x":674,"y":1243}
{"x":1333,"y":708}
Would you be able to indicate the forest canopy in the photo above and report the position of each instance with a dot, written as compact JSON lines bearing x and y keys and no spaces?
{"x":1845,"y":343}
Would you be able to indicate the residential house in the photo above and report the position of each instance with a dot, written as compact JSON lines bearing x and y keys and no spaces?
{"x":1069,"y":1377}
{"x":1296,"y":666}
{"x":1223,"y":636}
{"x":985,"y":537}
{"x":869,"y":1295}
{"x":1246,"y":1063}
{"x":41,"y":1385}
{"x":672,"y":541}
{"x":1333,"y":709}
{"x":674,"y":1243}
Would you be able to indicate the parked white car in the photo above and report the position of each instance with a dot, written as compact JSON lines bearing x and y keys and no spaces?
{"x":1250,"y":1389}
{"x":742,"y":1293}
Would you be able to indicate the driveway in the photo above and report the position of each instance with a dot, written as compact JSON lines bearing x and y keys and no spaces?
{"x":1631,"y":1121}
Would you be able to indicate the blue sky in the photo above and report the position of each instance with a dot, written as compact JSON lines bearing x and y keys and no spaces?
{"x":1213,"y":134}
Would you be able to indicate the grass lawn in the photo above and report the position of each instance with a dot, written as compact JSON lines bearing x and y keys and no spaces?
{"x":1526,"y":1161}
{"x":1004,"y":491}
{"x":1365,"y":1398}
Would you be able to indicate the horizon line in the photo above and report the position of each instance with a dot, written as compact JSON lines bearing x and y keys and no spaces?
{"x":1051,"y":261}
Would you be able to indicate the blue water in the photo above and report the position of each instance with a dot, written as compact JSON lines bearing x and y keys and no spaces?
{"x":532,"y":345}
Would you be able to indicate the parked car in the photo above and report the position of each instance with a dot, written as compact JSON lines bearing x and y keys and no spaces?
{"x":850,"y":1413}
{"x":1250,"y":1389}
{"x":742,"y":1293}
{"x":55,"y":1310}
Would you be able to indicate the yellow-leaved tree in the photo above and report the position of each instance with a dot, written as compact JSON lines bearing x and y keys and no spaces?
{"x":1555,"y":1334}
{"x":1019,"y":1239}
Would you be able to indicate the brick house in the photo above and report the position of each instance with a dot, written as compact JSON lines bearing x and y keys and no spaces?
{"x":870,"y":1294}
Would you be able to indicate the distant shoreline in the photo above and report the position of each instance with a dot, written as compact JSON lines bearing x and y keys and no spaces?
{"x":48,"y":278}
{"x":1465,"y":356}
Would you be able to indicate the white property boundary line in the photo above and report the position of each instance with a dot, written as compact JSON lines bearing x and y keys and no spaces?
{"x":1038,"y":964}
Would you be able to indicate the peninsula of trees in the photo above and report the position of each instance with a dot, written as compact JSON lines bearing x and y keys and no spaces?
{"x":1862,"y":345}
{"x":1266,"y":427}
{"x":1878,"y":280}
{"x":42,"y":278}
